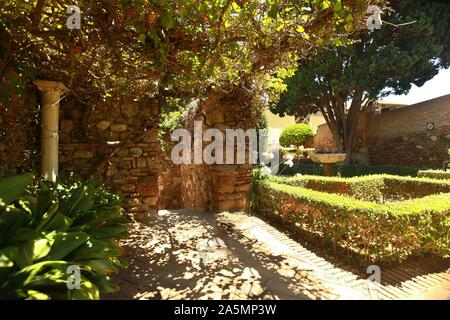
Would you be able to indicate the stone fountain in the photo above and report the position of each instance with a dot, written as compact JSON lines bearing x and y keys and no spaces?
{"x":328,"y":160}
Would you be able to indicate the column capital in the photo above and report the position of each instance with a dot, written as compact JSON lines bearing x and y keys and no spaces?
{"x":50,"y":86}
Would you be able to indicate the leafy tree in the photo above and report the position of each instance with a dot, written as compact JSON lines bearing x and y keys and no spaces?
{"x":342,"y":81}
{"x":178,"y":48}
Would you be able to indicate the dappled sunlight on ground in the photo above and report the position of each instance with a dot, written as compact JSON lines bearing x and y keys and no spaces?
{"x":182,"y":256}
{"x":189,"y":255}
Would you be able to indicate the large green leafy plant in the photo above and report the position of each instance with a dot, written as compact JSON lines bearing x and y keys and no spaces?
{"x":46,"y":227}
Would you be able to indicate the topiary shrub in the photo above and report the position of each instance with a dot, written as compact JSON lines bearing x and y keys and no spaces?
{"x":295,"y":134}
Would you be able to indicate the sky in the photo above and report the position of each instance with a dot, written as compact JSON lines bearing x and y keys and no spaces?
{"x":436,"y":87}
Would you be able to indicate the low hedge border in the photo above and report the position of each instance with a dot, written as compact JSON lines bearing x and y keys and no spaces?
{"x":434,"y":174}
{"x":376,"y":188}
{"x":348,"y":170}
{"x":380,"y":233}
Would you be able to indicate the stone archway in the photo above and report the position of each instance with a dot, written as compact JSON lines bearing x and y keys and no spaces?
{"x":219,"y":187}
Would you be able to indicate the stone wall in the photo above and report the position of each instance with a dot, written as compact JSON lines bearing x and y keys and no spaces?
{"x":169,"y":182}
{"x":116,"y":143}
{"x":79,"y":159}
{"x":323,"y":139}
{"x":218,"y":187}
{"x":399,"y":137}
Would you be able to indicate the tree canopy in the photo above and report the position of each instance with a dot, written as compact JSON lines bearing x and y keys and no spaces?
{"x":181,"y":47}
{"x":410,"y":48}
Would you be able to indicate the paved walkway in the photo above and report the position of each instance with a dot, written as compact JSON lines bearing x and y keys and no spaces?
{"x":189,"y":255}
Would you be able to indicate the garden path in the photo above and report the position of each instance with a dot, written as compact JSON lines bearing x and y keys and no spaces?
{"x":183,"y":254}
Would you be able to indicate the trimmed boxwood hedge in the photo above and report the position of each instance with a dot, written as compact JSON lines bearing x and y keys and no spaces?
{"x":364,"y":170}
{"x":376,"y":188}
{"x":379,"y":232}
{"x":295,"y":134}
{"x":348,"y":170}
{"x":434,"y":174}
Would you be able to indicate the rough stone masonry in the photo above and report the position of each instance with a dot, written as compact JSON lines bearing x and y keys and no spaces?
{"x":118,"y":143}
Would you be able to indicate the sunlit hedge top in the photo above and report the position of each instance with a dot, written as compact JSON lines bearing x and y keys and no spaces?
{"x":295,"y":134}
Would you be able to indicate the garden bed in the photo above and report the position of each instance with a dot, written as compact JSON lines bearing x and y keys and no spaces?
{"x":378,"y":233}
{"x":344,"y":170}
{"x":375,"y":188}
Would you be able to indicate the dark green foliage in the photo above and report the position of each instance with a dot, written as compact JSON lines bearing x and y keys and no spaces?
{"x":364,"y":170}
{"x":263,"y":121}
{"x":348,"y":170}
{"x":434,"y":174}
{"x":379,"y":63}
{"x":46,"y":227}
{"x":170,"y":121}
{"x":295,"y":135}
{"x":307,"y":169}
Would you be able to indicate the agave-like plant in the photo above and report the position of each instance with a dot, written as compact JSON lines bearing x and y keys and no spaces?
{"x":47,"y":228}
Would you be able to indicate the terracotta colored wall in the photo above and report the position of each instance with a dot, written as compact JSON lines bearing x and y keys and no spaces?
{"x":399,"y":137}
{"x":323,"y":139}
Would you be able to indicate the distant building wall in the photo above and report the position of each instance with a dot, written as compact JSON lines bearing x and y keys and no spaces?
{"x":276,"y":124}
{"x":399,"y":137}
{"x":323,"y":139}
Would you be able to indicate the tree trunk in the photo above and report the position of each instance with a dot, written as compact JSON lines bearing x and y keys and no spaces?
{"x":344,"y":125}
{"x":348,"y":151}
{"x":352,"y":123}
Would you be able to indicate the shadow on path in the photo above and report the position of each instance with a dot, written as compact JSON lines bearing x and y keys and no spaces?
{"x":188,"y":255}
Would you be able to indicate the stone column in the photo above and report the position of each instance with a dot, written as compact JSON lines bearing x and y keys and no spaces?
{"x":51,"y":95}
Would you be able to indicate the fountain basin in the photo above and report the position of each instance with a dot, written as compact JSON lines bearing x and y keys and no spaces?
{"x":328,"y":160}
{"x":328,"y":157}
